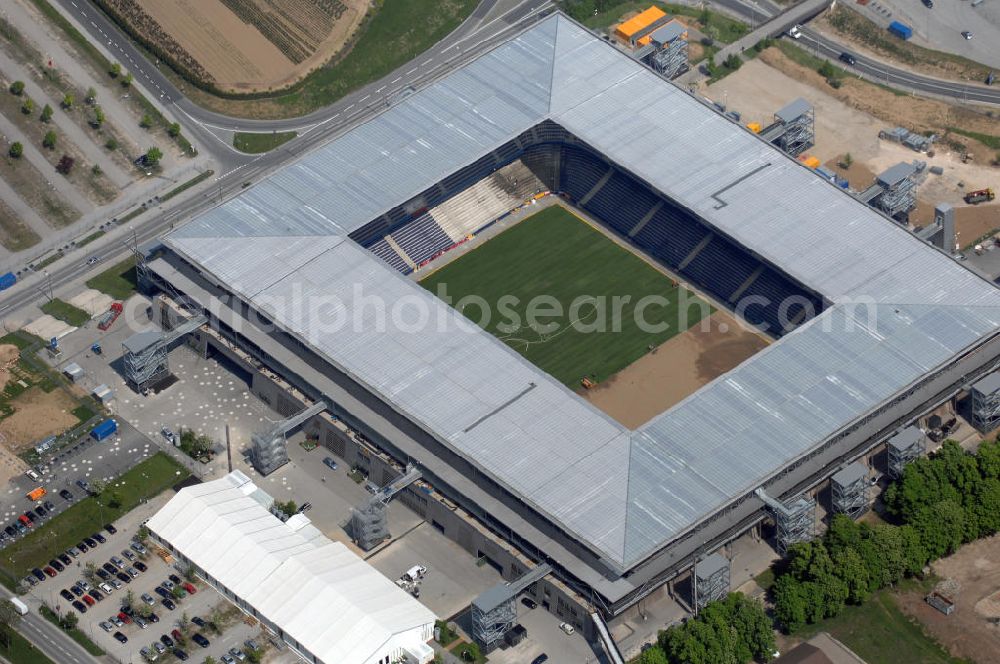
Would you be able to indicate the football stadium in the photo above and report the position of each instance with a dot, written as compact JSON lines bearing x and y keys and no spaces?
{"x":553,"y":164}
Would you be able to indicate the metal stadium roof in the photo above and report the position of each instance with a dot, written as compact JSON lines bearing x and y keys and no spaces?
{"x":623,"y":493}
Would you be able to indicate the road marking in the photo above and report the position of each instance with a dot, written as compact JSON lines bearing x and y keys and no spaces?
{"x":363,"y":98}
{"x":427,"y":62}
{"x":396,"y":80}
{"x":410,"y":72}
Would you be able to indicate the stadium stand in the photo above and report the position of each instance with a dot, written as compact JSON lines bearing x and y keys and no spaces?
{"x":621,"y":204}
{"x":470,"y":210}
{"x":422,"y":239}
{"x":383,"y":250}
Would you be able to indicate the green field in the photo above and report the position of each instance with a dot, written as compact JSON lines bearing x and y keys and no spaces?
{"x":118,"y":281}
{"x":881,"y":634}
{"x":89,"y":515}
{"x":555,"y":254}
{"x":252,"y":143}
{"x":66,"y":312}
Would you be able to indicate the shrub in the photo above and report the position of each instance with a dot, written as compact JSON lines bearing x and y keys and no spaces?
{"x":16,"y":150}
{"x":17,"y":88}
{"x":46,"y":113}
{"x":146,"y":122}
{"x":64,"y":166}
{"x":68,"y":101}
{"x":111,"y":144}
{"x":49,"y":140}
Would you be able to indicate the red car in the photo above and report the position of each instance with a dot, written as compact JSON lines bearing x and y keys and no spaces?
{"x":88,"y":599}
{"x":49,"y":571}
{"x":124,"y":617}
{"x":26,"y":521}
{"x":190,"y":588}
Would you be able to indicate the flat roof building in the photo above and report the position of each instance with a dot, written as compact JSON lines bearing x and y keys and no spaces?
{"x":325,"y":602}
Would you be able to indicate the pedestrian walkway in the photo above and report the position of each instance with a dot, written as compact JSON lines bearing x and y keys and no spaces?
{"x":772,"y":28}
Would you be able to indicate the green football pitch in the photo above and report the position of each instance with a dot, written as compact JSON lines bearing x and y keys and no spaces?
{"x":554,"y":288}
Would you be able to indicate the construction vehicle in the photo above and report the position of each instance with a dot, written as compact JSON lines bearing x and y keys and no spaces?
{"x":36,"y":494}
{"x":110,"y":316}
{"x":980,"y":196}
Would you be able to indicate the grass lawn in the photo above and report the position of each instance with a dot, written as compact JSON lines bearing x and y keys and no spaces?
{"x":118,"y":281}
{"x":471,"y":653}
{"x":87,"y":516}
{"x":257,"y":143}
{"x":66,"y":312}
{"x":74,"y":633}
{"x":881,"y":634}
{"x":18,"y":650}
{"x":556,"y":254}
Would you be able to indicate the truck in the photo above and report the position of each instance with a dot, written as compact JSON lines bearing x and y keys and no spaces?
{"x":901,"y":30}
{"x":36,"y":494}
{"x":980,"y":196}
{"x":7,"y":280}
{"x":109,"y":317}
{"x":104,"y":429}
{"x":19,"y":606}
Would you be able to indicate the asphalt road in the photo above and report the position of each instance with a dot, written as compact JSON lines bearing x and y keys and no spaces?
{"x":50,"y":639}
{"x":866,"y":67}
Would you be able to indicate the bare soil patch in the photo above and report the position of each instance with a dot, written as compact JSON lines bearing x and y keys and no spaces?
{"x":676,"y":369}
{"x":15,"y":235}
{"x":969,"y":632}
{"x":245,"y":45}
{"x":37,"y":414}
{"x":8,"y":357}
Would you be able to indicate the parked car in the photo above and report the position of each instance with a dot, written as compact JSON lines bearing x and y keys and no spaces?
{"x":124,"y":617}
{"x":11,"y":531}
{"x":140,"y":622}
{"x":90,"y":542}
{"x":73,"y":551}
{"x":76,"y":589}
{"x":148,"y":654}
{"x":167,"y":641}
{"x":176,"y":634}
{"x":530,"y":603}
{"x":141,"y":566}
{"x":159,"y":647}
{"x":65,"y":495}
{"x":41,"y":512}
{"x":200,"y":640}
{"x":56,"y":565}
{"x":138,"y":548}
{"x":83,"y":584}
{"x":118,"y":622}
{"x":79,"y":606}
{"x":99,"y":537}
{"x":88,"y":600}
{"x":111,"y":529}
{"x":169,"y":604}
{"x":64,"y":559}
{"x":237,"y":654}
{"x":96,"y":594}
{"x":104,"y":576}
{"x":109,"y":568}
{"x":226,"y":659}
{"x":148,"y":599}
{"x":131,"y":571}
{"x":49,"y":506}
{"x":121,"y":638}
{"x":175,"y":579}
{"x":50,"y":571}
{"x":566,"y":627}
{"x":129,"y":555}
{"x":967,"y":34}
{"x":180,"y":654}
{"x":106,"y":588}
{"x":106,"y":626}
{"x":152,"y":617}
{"x":543,"y":657}
{"x":162,"y":592}
{"x":117,"y":562}
{"x":66,"y":595}
{"x":189,"y":588}
{"x":330,"y":463}
{"x":123,"y":577}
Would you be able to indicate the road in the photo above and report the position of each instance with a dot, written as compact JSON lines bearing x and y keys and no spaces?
{"x":47,"y":637}
{"x":869,"y":68}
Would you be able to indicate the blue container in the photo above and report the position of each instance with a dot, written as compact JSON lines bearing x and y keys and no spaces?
{"x":104,"y":429}
{"x":901,"y":30}
{"x":7,"y":280}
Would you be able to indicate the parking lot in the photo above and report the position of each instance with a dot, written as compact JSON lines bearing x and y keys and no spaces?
{"x":205,"y":604}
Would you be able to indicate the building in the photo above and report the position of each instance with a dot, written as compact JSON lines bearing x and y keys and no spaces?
{"x":325,"y":602}
{"x":640,"y":25}
{"x":866,"y":341}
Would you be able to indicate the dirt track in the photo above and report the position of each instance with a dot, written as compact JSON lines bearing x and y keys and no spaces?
{"x":675,"y":370}
{"x":968,"y":631}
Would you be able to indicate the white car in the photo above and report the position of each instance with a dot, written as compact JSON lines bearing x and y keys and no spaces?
{"x":107,"y":589}
{"x":566,"y":627}
{"x":795,"y":31}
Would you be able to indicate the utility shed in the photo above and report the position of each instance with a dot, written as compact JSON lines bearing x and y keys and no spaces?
{"x":326,"y":603}
{"x":73,"y":371}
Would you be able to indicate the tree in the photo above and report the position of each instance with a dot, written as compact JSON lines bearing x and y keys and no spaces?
{"x":153,"y":157}
{"x":177,"y":592}
{"x":143,"y":534}
{"x":90,"y":572}
{"x":91,"y":96}
{"x":68,"y":100}
{"x":174,"y":129}
{"x":988,"y":459}
{"x":17,"y":88}
{"x":98,"y":118}
{"x":127,"y":80}
{"x":65,"y":164}
{"x":46,"y":113}
{"x":941,"y":527}
{"x":129,"y":599}
{"x":146,"y":122}
{"x":9,"y":617}
{"x":288,"y":507}
{"x":69,"y":620}
{"x":28,"y":106}
{"x":189,"y":574}
{"x":115,"y":499}
{"x":16,"y":150}
{"x":49,"y":140}
{"x":654,"y":655}
{"x":115,"y":71}
{"x":184,"y":620}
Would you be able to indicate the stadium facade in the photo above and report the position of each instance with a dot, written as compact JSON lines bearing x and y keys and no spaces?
{"x":880,"y":326}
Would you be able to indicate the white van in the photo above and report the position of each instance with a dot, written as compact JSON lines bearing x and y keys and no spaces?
{"x":19,"y":606}
{"x":415,"y":573}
